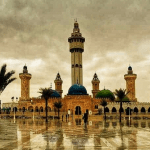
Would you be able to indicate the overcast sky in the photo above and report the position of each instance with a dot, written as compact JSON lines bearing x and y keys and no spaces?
{"x":35,"y":33}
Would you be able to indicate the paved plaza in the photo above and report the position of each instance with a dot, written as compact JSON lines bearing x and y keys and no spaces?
{"x":29,"y":134}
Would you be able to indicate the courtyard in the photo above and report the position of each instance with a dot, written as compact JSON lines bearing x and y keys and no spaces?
{"x":29,"y":134}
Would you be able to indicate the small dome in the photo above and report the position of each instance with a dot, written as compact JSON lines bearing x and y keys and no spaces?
{"x":77,"y":89}
{"x":55,"y":94}
{"x":105,"y":94}
{"x":25,"y":67}
{"x":129,"y":68}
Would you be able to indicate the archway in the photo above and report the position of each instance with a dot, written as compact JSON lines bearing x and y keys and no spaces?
{"x":15,"y":109}
{"x":23,"y":109}
{"x":128,"y":111}
{"x":136,"y":110}
{"x":41,"y":109}
{"x":30,"y":108}
{"x":149,"y":109}
{"x":143,"y":110}
{"x":107,"y":110}
{"x":114,"y":110}
{"x":36,"y":109}
{"x":48,"y":109}
{"x":78,"y":110}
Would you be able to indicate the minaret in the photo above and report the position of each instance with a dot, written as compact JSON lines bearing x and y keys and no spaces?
{"x":95,"y":85}
{"x":58,"y":84}
{"x":25,"y":84}
{"x":76,"y":48}
{"x":130,"y":84}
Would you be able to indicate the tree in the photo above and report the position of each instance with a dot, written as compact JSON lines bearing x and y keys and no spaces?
{"x":5,"y":78}
{"x":121,"y":93}
{"x":104,"y":104}
{"x":58,"y":105}
{"x":46,"y":94}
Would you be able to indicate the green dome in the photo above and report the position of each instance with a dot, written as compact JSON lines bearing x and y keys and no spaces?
{"x":105,"y":94}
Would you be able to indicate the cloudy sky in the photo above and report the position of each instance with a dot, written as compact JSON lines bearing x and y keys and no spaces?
{"x":35,"y":33}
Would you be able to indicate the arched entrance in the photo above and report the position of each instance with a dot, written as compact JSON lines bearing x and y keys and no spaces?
{"x":15,"y":109}
{"x":143,"y":110}
{"x":30,"y":108}
{"x":114,"y":110}
{"x":78,"y":110}
{"x":107,"y":110}
{"x":136,"y":110}
{"x":148,"y":109}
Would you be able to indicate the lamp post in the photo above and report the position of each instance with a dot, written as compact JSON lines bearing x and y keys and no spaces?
{"x":33,"y":109}
{"x":13,"y":108}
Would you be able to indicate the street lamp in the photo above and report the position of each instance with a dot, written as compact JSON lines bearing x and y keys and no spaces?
{"x":33,"y":109}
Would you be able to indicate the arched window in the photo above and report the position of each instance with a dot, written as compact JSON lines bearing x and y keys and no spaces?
{"x":96,"y":106}
{"x":136,"y":110}
{"x":36,"y":109}
{"x":143,"y":110}
{"x":114,"y":110}
{"x":41,"y":109}
{"x":106,"y":109}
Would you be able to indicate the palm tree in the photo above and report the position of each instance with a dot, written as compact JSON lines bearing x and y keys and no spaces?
{"x":104,"y":104}
{"x":46,"y":94}
{"x":5,"y":78}
{"x":121,"y":93}
{"x":58,"y":105}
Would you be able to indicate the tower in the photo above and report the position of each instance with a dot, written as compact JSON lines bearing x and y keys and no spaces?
{"x":95,"y":85}
{"x":76,"y":46}
{"x":58,"y":84}
{"x":130,"y":84}
{"x":25,"y":84}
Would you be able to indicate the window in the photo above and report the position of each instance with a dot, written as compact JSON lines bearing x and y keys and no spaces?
{"x":96,"y":106}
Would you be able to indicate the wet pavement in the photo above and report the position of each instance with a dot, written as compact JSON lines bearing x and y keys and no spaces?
{"x":28,"y":134}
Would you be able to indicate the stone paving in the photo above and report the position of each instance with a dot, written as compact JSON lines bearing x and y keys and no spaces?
{"x":29,"y":134}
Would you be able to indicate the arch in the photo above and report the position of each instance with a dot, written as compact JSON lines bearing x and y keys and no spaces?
{"x":15,"y":109}
{"x":107,"y":109}
{"x":136,"y":110}
{"x":78,"y":110}
{"x":23,"y":109}
{"x":30,"y":108}
{"x":114,"y":110}
{"x":20,"y":109}
{"x":41,"y":109}
{"x":96,"y":106}
{"x":149,"y":109}
{"x":122,"y":110}
{"x":143,"y":110}
{"x":48,"y":109}
{"x":36,"y":109}
{"x":128,"y":111}
{"x":143,"y":124}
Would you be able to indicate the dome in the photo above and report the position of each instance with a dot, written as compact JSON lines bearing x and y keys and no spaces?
{"x":105,"y":94}
{"x":77,"y":89}
{"x":55,"y":94}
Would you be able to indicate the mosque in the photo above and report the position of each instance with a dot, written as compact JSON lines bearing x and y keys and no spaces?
{"x":77,"y":100}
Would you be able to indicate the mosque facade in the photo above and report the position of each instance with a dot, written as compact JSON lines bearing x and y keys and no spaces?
{"x":77,"y":101}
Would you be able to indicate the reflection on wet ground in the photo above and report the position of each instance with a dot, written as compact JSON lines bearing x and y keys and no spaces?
{"x":27,"y":134}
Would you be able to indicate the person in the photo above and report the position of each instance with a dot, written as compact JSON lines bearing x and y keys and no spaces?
{"x":85,"y":117}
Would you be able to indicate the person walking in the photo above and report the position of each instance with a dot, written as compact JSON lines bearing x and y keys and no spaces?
{"x":85,"y":117}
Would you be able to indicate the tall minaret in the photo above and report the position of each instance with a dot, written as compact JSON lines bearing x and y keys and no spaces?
{"x":130,"y":84}
{"x":95,"y":85}
{"x":76,"y":48}
{"x":58,"y":84}
{"x":25,"y":83}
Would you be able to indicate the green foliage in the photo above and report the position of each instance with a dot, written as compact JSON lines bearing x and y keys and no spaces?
{"x":103,"y":103}
{"x":5,"y":78}
{"x":58,"y":104}
{"x":125,"y":99}
{"x":45,"y":93}
{"x":121,"y":93}
{"x":105,"y":94}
